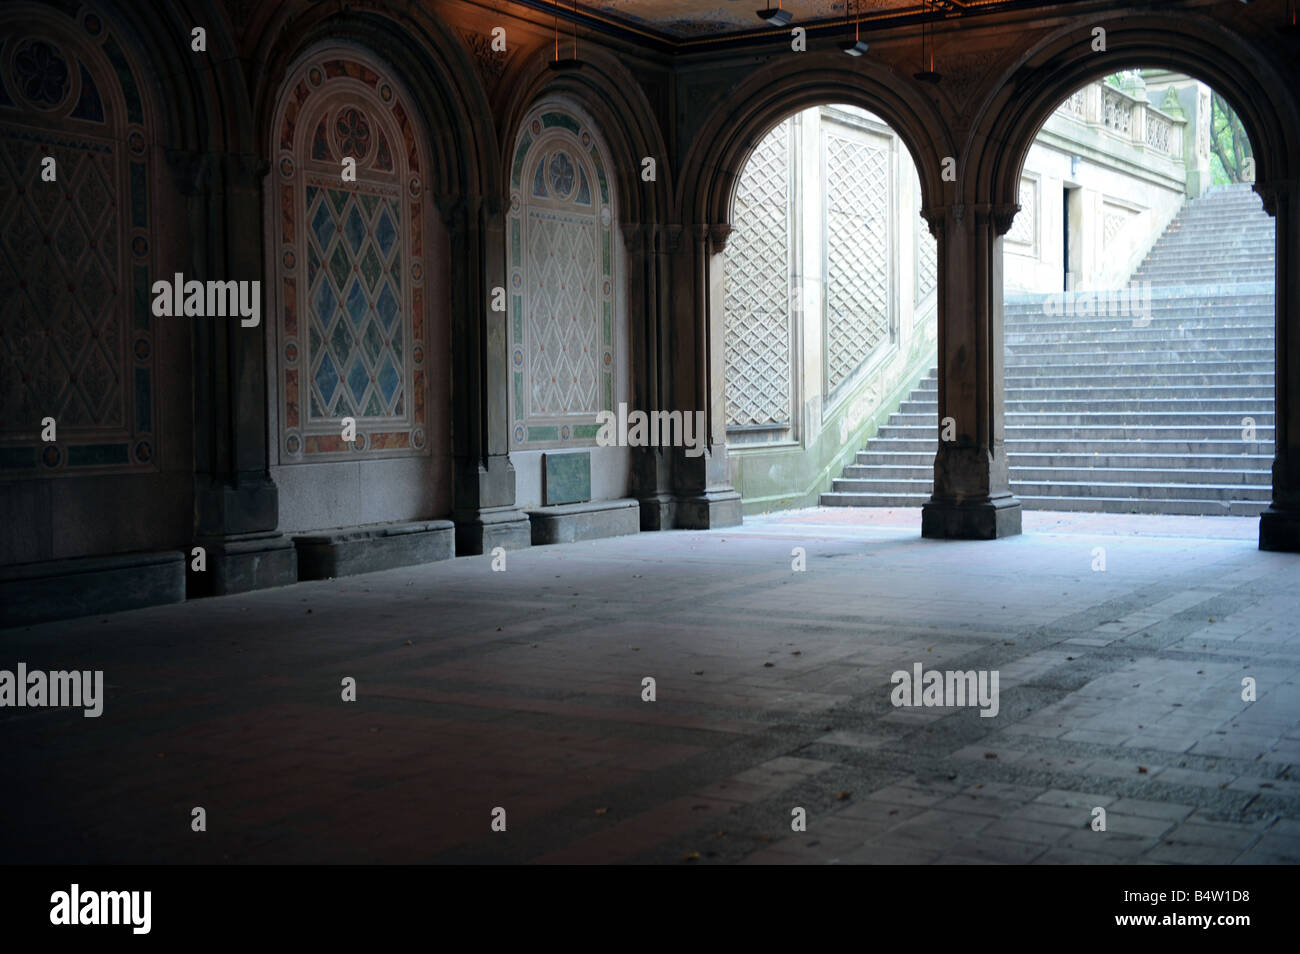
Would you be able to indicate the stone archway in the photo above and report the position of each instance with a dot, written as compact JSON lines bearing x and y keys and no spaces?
{"x":712,"y":169}
{"x":971,"y":358}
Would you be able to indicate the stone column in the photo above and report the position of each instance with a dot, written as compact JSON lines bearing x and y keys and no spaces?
{"x":236,"y":503}
{"x":648,"y":293}
{"x":1279,"y":526}
{"x":483,"y":479}
{"x":705,"y":496}
{"x":972,"y":497}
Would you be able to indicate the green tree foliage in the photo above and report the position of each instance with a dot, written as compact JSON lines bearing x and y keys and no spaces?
{"x":1229,"y":144}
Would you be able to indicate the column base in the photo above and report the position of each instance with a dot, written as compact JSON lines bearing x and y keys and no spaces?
{"x":1279,"y":530}
{"x":658,"y":512}
{"x":710,"y":510}
{"x":987,"y":519}
{"x":482,"y":531}
{"x":242,"y":562}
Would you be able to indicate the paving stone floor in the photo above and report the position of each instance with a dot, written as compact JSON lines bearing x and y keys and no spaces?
{"x":522,"y":689}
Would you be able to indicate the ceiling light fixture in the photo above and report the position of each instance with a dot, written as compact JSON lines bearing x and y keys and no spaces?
{"x":570,"y":62}
{"x":777,"y":16}
{"x":927,"y":75}
{"x":857,"y":46}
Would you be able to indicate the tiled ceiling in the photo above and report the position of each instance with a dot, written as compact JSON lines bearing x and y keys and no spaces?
{"x":696,"y":19}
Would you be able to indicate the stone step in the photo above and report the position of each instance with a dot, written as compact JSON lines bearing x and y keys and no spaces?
{"x":1138,"y":335}
{"x":913,"y":441}
{"x":912,"y":460}
{"x":1138,"y":374}
{"x":1204,"y":508}
{"x":1083,"y":489}
{"x":1260,"y":410}
{"x":1160,"y":315}
{"x":1028,"y":427}
{"x":1027,"y":359}
{"x":1139,"y":393}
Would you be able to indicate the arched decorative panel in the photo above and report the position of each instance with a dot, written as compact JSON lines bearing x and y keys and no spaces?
{"x":562,"y":305}
{"x":351,"y":326}
{"x":76,"y":255}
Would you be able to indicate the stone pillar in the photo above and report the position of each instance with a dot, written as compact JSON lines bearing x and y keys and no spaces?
{"x":972,"y":497}
{"x":483,"y":479}
{"x":705,"y":496}
{"x":236,"y":503}
{"x":1279,"y":525}
{"x":648,"y":293}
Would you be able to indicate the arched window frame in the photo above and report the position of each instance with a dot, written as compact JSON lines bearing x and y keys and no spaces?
{"x":544,"y":129}
{"x":326,"y":85}
{"x":105,"y":118}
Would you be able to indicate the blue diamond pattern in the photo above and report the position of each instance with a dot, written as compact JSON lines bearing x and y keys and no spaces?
{"x":354,"y":229}
{"x":327,"y":379}
{"x":385,"y":233}
{"x":388,"y":380}
{"x":325,"y":302}
{"x":386,"y":305}
{"x":358,"y":378}
{"x":323,"y":225}
{"x":356,"y":303}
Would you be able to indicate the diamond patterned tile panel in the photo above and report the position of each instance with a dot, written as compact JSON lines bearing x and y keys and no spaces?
{"x":857,"y":234}
{"x":757,"y":299}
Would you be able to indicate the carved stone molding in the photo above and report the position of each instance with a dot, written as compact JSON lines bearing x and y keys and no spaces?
{"x":490,"y":63}
{"x":1271,"y":193}
{"x":718,"y":235}
{"x":934,"y":219}
{"x":1003,"y":216}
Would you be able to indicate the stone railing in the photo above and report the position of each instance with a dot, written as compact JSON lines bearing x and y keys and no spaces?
{"x":1160,"y":133}
{"x":1117,"y":114}
{"x":1126,"y":117}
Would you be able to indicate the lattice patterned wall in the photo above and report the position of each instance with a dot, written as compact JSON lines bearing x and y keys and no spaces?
{"x":927,"y":251}
{"x":858,"y":243}
{"x":757,"y":301}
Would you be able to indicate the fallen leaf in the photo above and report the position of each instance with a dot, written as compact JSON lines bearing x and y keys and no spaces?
{"x":693,"y":856}
{"x":1142,"y":770}
{"x":843,"y":795}
{"x":601,"y":811}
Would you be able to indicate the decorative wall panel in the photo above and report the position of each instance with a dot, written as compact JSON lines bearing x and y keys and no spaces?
{"x":351,"y":321}
{"x":858,"y":241}
{"x":758,"y":290}
{"x":562,"y":304}
{"x":76,"y":254}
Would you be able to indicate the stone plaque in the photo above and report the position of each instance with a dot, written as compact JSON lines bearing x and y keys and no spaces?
{"x":566,"y":478}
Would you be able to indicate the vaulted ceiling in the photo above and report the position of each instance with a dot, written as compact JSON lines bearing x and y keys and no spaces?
{"x":677,"y":20}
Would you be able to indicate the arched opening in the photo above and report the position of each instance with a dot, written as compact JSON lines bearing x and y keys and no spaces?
{"x":828,"y":303}
{"x":1139,"y":306}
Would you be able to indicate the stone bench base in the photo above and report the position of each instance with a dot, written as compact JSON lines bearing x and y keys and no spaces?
{"x":244,"y":562}
{"x":352,"y":550}
{"x":566,"y":523}
{"x":86,"y":586}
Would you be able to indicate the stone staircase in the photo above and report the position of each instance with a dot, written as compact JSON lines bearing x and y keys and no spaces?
{"x":1106,"y":413}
